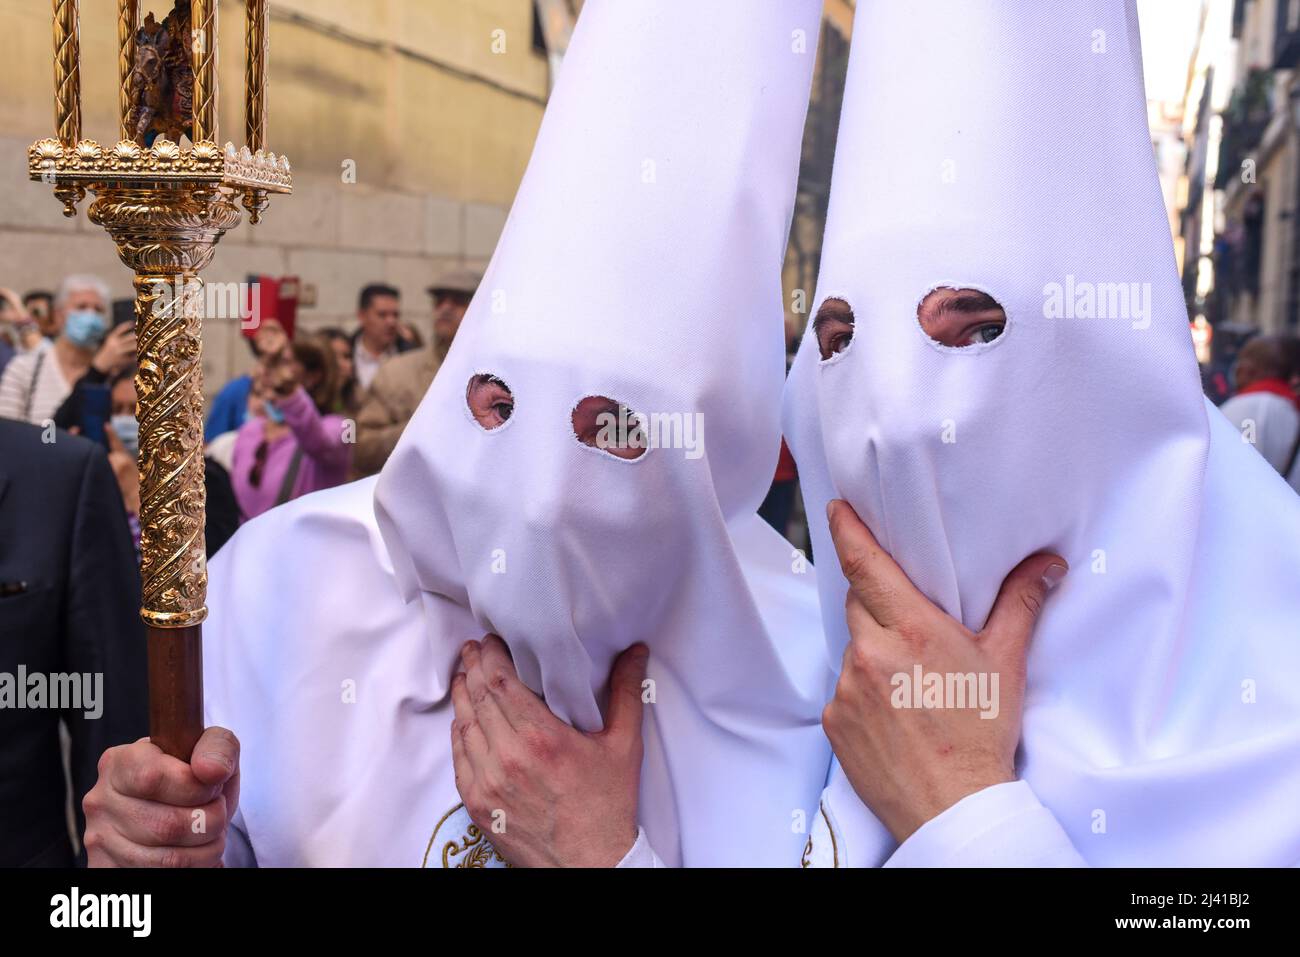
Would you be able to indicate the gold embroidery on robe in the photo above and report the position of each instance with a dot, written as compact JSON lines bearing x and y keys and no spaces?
{"x":806,"y":859}
{"x":471,"y":848}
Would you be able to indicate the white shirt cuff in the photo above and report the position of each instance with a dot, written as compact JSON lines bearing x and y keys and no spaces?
{"x":641,"y":854}
{"x":1001,"y":826}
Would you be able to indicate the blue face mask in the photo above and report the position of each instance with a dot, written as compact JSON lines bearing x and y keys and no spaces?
{"x":127,"y":429}
{"x":273,"y":413}
{"x":85,"y":329}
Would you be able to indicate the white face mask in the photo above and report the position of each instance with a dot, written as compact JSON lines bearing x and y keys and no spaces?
{"x":641,"y":263}
{"x":1028,"y":175}
{"x":127,"y":429}
{"x":85,"y":328}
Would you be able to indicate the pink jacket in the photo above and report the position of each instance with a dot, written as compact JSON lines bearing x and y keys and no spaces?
{"x":325,"y":459}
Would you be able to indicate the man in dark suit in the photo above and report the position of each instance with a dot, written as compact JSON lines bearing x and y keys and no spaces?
{"x":69,"y":612}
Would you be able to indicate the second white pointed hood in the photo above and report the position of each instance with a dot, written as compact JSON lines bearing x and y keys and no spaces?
{"x":1003,"y":147}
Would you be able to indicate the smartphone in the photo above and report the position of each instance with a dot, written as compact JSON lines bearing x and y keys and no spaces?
{"x":96,"y":410}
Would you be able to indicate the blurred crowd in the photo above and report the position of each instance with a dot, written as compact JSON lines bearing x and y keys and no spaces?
{"x":320,"y":407}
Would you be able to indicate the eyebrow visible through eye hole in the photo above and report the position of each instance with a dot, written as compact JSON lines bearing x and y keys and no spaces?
{"x":959,"y":318}
{"x":833,"y":310}
{"x":969,"y":301}
{"x":833,"y":327}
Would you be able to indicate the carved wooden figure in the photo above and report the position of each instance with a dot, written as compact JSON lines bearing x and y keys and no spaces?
{"x":162,"y":79}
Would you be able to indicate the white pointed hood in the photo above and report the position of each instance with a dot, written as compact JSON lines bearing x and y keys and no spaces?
{"x":640,"y":262}
{"x":1004,"y":147}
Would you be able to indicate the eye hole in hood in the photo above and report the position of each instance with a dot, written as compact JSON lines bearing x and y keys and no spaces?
{"x":609,"y":426}
{"x":490,"y":401}
{"x":960,"y":318}
{"x":833,"y":327}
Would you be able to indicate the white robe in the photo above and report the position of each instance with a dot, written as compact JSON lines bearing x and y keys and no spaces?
{"x":322,"y":708}
{"x":329,"y":678}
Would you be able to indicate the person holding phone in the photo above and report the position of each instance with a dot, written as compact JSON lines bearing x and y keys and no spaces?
{"x":88,"y":406}
{"x":35,"y":384}
{"x":298,"y":444}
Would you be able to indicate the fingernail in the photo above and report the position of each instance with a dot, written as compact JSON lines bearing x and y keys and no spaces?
{"x":220,"y":758}
{"x":1053,"y":574}
{"x":830,"y":507}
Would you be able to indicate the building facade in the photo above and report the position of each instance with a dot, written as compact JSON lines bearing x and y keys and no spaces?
{"x":1257,"y":250}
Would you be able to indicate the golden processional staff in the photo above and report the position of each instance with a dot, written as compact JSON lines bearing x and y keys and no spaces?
{"x":166,"y":205}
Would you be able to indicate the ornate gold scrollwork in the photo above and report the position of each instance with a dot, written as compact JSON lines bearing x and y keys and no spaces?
{"x":127,"y":163}
{"x":464,"y":844}
{"x":166,"y":237}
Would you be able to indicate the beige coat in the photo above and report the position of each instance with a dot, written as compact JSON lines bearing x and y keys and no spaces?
{"x":397,"y":389}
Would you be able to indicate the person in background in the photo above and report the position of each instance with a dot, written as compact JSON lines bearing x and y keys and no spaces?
{"x":400,"y":385}
{"x":349,"y":392}
{"x":299,"y":444}
{"x":34,"y":385}
{"x":451,"y":295}
{"x":1265,"y":408}
{"x":409,"y":336}
{"x":39,"y":304}
{"x":14,"y":321}
{"x":86,"y":408}
{"x":221,"y":514}
{"x":122,"y":439}
{"x":69,"y":604}
{"x":379,"y":312}
{"x":231,"y":405}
